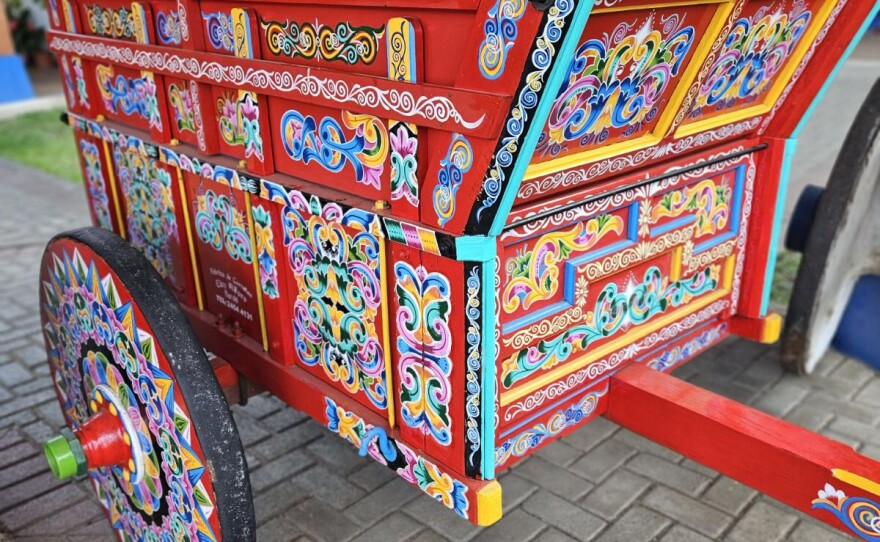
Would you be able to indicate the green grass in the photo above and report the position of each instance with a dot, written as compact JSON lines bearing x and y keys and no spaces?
{"x":41,"y":141}
{"x":787,"y":264}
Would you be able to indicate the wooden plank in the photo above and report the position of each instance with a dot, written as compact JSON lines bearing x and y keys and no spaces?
{"x":818,"y":476}
{"x":467,"y":112}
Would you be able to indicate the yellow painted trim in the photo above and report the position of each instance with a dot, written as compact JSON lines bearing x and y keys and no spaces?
{"x":194,"y":262}
{"x":777,"y":88}
{"x":629,"y":337}
{"x":858,"y":481}
{"x":111,"y":172}
{"x":386,"y":333}
{"x":772,"y":329}
{"x":664,"y":124}
{"x":677,"y":262}
{"x":657,"y":5}
{"x":256,"y":265}
{"x":489,"y":504}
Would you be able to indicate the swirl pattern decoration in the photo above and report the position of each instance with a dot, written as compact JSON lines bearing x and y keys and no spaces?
{"x":129,"y":96}
{"x":501,"y":32}
{"x":424,"y":345}
{"x":220,"y":225}
{"x":342,"y":43}
{"x":859,"y":514}
{"x":459,"y":160}
{"x":98,"y":198}
{"x":614,"y":85}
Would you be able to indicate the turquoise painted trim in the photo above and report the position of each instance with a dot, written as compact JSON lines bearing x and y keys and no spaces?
{"x":478,"y":248}
{"x":784,"y":176}
{"x":487,"y":414}
{"x":475,"y":248}
{"x":554,"y":83}
{"x":790,"y":148}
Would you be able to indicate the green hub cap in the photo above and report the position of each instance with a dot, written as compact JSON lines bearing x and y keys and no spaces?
{"x":65,"y":455}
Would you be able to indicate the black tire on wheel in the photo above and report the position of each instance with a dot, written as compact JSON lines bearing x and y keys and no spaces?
{"x":842,"y":244}
{"x":116,"y":337}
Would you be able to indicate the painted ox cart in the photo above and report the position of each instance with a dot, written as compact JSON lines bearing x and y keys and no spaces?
{"x":451,"y":231}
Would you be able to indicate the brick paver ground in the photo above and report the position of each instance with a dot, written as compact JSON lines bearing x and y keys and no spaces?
{"x":601,"y":483}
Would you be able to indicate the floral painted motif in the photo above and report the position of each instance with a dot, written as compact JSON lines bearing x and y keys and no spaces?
{"x":111,"y":23}
{"x":707,"y":201}
{"x":222,"y":226}
{"x":129,"y":96}
{"x":342,"y":43}
{"x":501,"y":32}
{"x":859,"y":514}
{"x":753,"y":53}
{"x":100,"y":351}
{"x":424,"y":345}
{"x":82,"y":92}
{"x":527,"y":100}
{"x":534,"y":275}
{"x":95,"y":181}
{"x":335,"y":261}
{"x":151,"y":222}
{"x":404,"y":163}
{"x":613,"y":310}
{"x":221,"y":32}
{"x":329,"y":145}
{"x":615,"y":84}
{"x":182,"y":107}
{"x":459,"y":160}
{"x":561,"y":420}
{"x":375,"y":442}
{"x":266,"y":251}
{"x":474,"y":396}
{"x":670,"y":358}
{"x":168,"y":28}
{"x":239,"y":121}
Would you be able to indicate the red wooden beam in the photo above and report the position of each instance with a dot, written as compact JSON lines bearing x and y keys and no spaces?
{"x":821,"y":477}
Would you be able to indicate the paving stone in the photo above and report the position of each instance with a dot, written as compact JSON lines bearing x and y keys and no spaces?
{"x":515,"y":490}
{"x":556,"y":479}
{"x":682,"y":534}
{"x":669,"y":474}
{"x":690,"y":512}
{"x":554,"y":535}
{"x":642,"y":444}
{"x":809,"y":416}
{"x":571,"y":519}
{"x":65,"y":519}
{"x":321,"y":522}
{"x":762,"y":522}
{"x":783,"y":396}
{"x":328,"y":487}
{"x":870,"y":394}
{"x":440,"y":519}
{"x":728,"y":495}
{"x":856,"y":430}
{"x":278,"y":529}
{"x":337,"y":452}
{"x":597,"y":464}
{"x":615,"y":494}
{"x":396,"y":527}
{"x":50,"y":503}
{"x":428,"y":535}
{"x":280,"y":469}
{"x":636,"y":524}
{"x":559,"y":453}
{"x":371,"y":475}
{"x":277,"y":499}
{"x":517,"y":526}
{"x":289,"y":440}
{"x":591,"y":435}
{"x":381,"y":502}
{"x":809,"y":531}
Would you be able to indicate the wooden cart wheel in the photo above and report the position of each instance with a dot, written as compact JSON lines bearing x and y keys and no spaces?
{"x":147,"y":420}
{"x":843,"y":242}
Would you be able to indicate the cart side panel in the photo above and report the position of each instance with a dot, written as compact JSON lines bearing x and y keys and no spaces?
{"x":626,"y":82}
{"x":593,"y":287}
{"x":333,"y":268}
{"x":152,"y":204}
{"x":222,"y":239}
{"x":758,"y":58}
{"x":98,"y":180}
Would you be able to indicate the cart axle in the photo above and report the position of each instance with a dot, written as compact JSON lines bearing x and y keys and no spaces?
{"x":100,"y":442}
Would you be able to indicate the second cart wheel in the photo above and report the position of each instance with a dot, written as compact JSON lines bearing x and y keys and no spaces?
{"x":146,"y":418}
